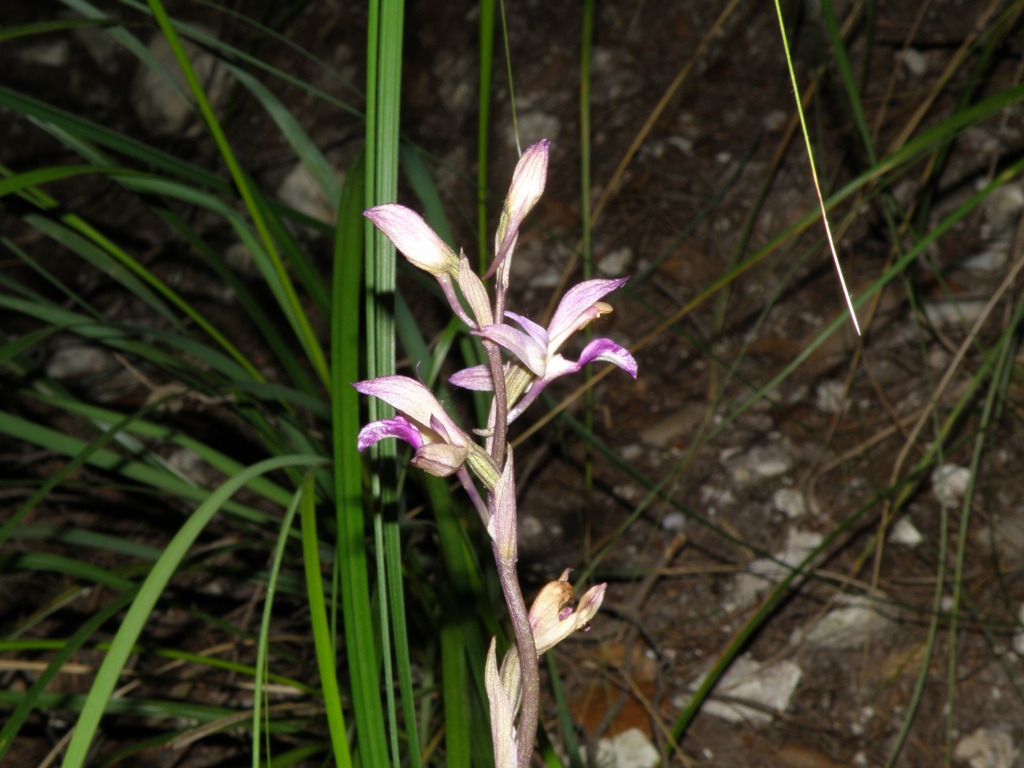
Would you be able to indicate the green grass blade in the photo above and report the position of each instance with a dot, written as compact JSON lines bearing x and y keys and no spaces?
{"x":321,"y":628}
{"x":303,"y":330}
{"x":296,"y":136}
{"x":263,"y":642}
{"x":454,"y":686}
{"x":351,"y":553}
{"x":384,"y":60}
{"x":484,"y":127}
{"x":149,"y":592}
{"x":565,"y":718}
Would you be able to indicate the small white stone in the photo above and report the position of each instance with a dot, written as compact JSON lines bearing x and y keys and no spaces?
{"x":770,"y":686}
{"x":632,"y":452}
{"x":949,"y":484}
{"x":790,"y":502}
{"x":240,"y":259}
{"x":848,"y":627}
{"x":938,"y":359}
{"x":628,"y":491}
{"x":189,"y":465}
{"x":986,"y":748}
{"x":905,"y":532}
{"x":162,"y":105}
{"x":615,"y":263}
{"x":50,"y":54}
{"x":830,"y":397}
{"x":864,"y":716}
{"x":775,"y":120}
{"x":1017,"y":643}
{"x":1004,"y":205}
{"x":956,"y":312}
{"x":915,"y":62}
{"x":758,"y":463}
{"x":676,"y":425}
{"x":673,"y":522}
{"x":302,"y":191}
{"x":764,"y":572}
{"x":530,"y":526}
{"x":681,"y":143}
{"x":78,"y":361}
{"x":989,"y":260}
{"x":629,"y":749}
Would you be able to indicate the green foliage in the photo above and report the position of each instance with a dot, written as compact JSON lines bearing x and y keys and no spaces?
{"x":274,"y":437}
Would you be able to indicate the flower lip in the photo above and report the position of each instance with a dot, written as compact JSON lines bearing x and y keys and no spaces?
{"x":441,"y":447}
{"x":415,"y":402}
{"x":580,"y":304}
{"x":552,"y":615}
{"x":399,"y":427}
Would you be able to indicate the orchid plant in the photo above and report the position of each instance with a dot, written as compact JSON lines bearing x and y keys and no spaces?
{"x":531,"y":360}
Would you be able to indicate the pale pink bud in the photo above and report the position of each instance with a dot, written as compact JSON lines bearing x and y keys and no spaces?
{"x":415,"y":239}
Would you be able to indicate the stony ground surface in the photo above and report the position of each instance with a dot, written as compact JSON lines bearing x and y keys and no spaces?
{"x":710,"y":486}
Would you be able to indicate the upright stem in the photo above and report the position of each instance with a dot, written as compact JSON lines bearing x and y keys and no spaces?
{"x":529,"y":673}
{"x":499,"y":438}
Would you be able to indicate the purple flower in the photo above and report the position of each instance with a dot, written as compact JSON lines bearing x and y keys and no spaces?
{"x":527,"y":185}
{"x":441,"y":447}
{"x":552,"y":615}
{"x":415,"y":239}
{"x":537,"y":347}
{"x":424,"y":248}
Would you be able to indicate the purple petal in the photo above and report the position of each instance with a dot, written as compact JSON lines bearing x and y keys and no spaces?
{"x":414,"y":238}
{"x":608,"y":351}
{"x":528,"y":180}
{"x":530,"y":353}
{"x":538,"y":332}
{"x":527,"y":186}
{"x":397,"y":427}
{"x":476,"y":294}
{"x":411,"y":399}
{"x":439,"y":459}
{"x":448,"y":287}
{"x":602,"y":349}
{"x":574,"y":307}
{"x":527,"y":400}
{"x":477,"y":378}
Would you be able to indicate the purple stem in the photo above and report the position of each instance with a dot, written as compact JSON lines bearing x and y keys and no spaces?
{"x":529,"y":674}
{"x":474,"y":495}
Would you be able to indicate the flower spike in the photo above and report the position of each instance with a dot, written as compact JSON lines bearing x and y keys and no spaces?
{"x":530,"y":361}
